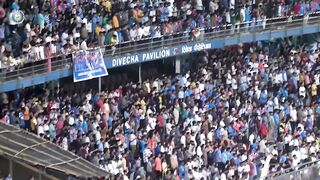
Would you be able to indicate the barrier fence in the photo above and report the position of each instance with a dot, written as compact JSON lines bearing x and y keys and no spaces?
{"x":310,"y":170}
{"x":129,"y":48}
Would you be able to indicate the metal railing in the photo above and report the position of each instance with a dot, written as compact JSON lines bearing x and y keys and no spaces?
{"x":309,"y":170}
{"x":207,"y":34}
{"x":34,"y":68}
{"x":127,"y":48}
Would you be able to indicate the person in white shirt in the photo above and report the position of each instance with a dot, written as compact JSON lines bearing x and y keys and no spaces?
{"x":293,"y":113}
{"x":40,"y":129}
{"x":64,"y":37}
{"x":296,"y":153}
{"x":64,"y":143}
{"x":140,"y":32}
{"x":317,"y":79}
{"x":83,"y":45}
{"x":234,"y":83}
{"x":146,"y":31}
{"x":295,"y":161}
{"x":41,"y":52}
{"x":302,"y":91}
{"x":183,"y":141}
{"x":71,"y":120}
{"x":304,"y":152}
{"x":157,"y":32}
{"x":133,"y":34}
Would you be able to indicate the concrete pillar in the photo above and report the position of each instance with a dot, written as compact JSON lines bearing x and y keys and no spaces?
{"x":178,"y":64}
{"x":140,"y":77}
{"x":99,"y":84}
{"x":11,"y":167}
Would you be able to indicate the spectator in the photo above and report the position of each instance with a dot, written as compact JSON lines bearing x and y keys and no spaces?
{"x":204,"y":123}
{"x":132,"y":21}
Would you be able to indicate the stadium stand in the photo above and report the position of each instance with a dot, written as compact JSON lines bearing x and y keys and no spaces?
{"x":40,"y":68}
{"x":38,"y":30}
{"x":24,"y":147}
{"x":242,"y":112}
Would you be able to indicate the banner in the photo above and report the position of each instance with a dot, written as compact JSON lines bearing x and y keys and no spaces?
{"x":158,"y":54}
{"x":88,"y":65}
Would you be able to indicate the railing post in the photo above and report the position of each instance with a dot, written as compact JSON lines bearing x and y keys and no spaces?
{"x":32,"y":72}
{"x":10,"y":167}
{"x":18,"y":71}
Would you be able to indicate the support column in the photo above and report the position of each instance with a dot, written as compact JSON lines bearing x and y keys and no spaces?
{"x":140,"y":78}
{"x":58,"y":83}
{"x":99,"y":84}
{"x":178,"y":64}
{"x":10,"y":167}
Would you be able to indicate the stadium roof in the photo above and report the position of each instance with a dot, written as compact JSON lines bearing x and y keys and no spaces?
{"x":27,"y":147}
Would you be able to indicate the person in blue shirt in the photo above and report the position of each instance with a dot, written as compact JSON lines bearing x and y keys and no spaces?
{"x":317,"y":5}
{"x":173,"y":97}
{"x":85,"y":126}
{"x":309,"y":123}
{"x":193,"y":24}
{"x":200,"y":21}
{"x":211,"y":104}
{"x":217,"y":155}
{"x":231,"y":131}
{"x":120,"y":36}
{"x":254,"y":146}
{"x":208,"y":20}
{"x":229,"y":154}
{"x":188,"y":92}
{"x":22,"y":122}
{"x":294,"y":79}
{"x":142,"y":146}
{"x":100,"y":146}
{"x":96,"y":19}
{"x":80,"y":12}
{"x":238,"y":160}
{"x":302,"y":7}
{"x":185,"y":114}
{"x":79,"y":125}
{"x":203,"y":98}
{"x":165,"y":12}
{"x":224,"y":156}
{"x":15,"y":6}
{"x":218,"y":134}
{"x":263,"y":98}
{"x":283,"y":158}
{"x":276,"y":118}
{"x":110,"y":120}
{"x":219,"y":159}
{"x":247,"y":14}
{"x":181,"y":170}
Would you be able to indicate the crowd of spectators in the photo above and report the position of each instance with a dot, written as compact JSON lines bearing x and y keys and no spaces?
{"x":242,"y":109}
{"x":58,"y":27}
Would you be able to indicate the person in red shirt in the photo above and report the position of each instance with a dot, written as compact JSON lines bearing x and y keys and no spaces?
{"x":158,"y":166}
{"x":296,"y":8}
{"x":236,"y":126}
{"x":161,"y":126}
{"x":263,"y":130}
{"x":100,"y":104}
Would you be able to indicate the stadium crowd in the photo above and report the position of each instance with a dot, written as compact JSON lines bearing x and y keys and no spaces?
{"x":242,"y":109}
{"x":57,"y":27}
